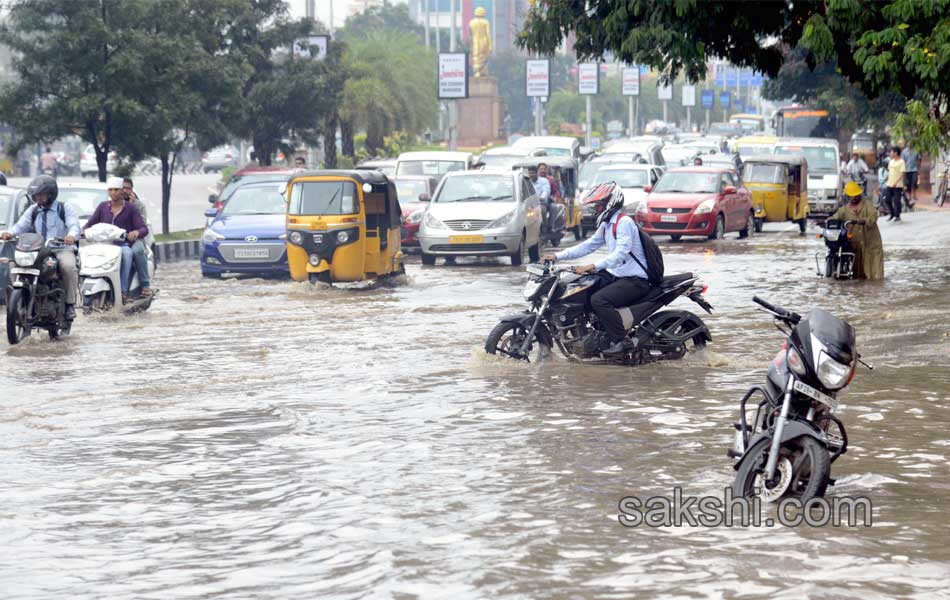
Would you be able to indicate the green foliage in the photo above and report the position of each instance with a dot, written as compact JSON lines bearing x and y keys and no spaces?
{"x":397,"y":143}
{"x":384,"y":17}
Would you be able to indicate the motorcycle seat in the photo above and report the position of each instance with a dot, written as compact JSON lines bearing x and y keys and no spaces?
{"x":668,"y":283}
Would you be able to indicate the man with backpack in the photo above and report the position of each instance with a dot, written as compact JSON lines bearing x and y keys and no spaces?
{"x":632,"y":264}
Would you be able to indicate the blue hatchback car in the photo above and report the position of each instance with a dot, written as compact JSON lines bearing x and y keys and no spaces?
{"x":247,"y":235}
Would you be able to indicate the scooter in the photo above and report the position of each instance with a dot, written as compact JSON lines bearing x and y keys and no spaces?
{"x":99,"y":279}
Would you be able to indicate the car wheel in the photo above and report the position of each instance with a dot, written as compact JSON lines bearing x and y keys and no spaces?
{"x":720,"y":231}
{"x":428,"y":259}
{"x":518,"y":257}
{"x":758,"y":225}
{"x":676,"y":237}
{"x":534,"y":252}
{"x":749,"y":227}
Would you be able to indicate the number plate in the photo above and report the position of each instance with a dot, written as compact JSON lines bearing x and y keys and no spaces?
{"x":466,"y":239}
{"x":318,"y":238}
{"x":21,"y":271}
{"x":831,"y":403}
{"x":251,"y":253}
{"x":668,"y":218}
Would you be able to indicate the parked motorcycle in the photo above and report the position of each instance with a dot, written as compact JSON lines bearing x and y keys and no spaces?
{"x":36,"y":297}
{"x":788,"y":448}
{"x":100,"y":281}
{"x":839,"y":259}
{"x":561,"y":315}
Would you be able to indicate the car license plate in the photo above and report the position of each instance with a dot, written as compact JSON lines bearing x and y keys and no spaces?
{"x":668,"y":218}
{"x":831,"y":403}
{"x":466,"y":239}
{"x":251,"y":253}
{"x":318,"y":238}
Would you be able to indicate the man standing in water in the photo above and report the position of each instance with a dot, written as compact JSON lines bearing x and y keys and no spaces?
{"x":895,"y":183}
{"x":866,"y":240}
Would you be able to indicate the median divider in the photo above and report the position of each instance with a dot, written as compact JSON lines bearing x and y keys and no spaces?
{"x":177,"y":250}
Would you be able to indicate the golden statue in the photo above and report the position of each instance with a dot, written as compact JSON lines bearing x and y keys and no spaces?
{"x":480,"y":30}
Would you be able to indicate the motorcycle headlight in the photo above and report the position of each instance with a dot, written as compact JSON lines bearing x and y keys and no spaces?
{"x":416,"y":217}
{"x":831,"y":373}
{"x":502,"y":221}
{"x":794,"y":360}
{"x":433,"y":223}
{"x":295,"y":237}
{"x":211,"y":236}
{"x":831,"y":235}
{"x":25,"y":259}
{"x":705,"y":207}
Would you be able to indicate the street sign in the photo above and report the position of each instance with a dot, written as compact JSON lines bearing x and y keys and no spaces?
{"x":630,"y":81}
{"x":538,"y":77}
{"x":689,"y":95}
{"x":453,"y":75}
{"x":724,"y":98}
{"x":314,"y":47}
{"x":588,"y":79}
{"x":664,"y":92}
{"x":708,"y":99}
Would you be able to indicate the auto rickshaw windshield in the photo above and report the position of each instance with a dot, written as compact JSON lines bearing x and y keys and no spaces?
{"x":323,"y":198}
{"x":763,"y":173}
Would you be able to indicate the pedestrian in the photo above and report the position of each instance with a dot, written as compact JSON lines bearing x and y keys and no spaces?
{"x":895,"y":183}
{"x":542,"y":189}
{"x":911,"y":164}
{"x":865,"y":234}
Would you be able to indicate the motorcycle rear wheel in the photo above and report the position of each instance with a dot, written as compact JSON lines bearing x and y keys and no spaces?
{"x":809,"y":476}
{"x":507,"y":337}
{"x":669,"y":323}
{"x":16,"y":330}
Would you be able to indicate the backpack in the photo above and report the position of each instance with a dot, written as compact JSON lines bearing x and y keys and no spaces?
{"x":654,"y":266}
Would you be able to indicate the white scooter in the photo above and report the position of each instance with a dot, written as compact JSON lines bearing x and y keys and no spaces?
{"x":100,"y":279}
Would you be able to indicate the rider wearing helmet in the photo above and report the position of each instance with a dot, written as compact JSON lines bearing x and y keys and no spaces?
{"x":623,"y":280}
{"x":53,"y":219}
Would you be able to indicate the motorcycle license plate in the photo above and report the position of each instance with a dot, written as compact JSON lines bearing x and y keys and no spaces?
{"x":21,"y":271}
{"x":668,"y":218}
{"x":831,"y":403}
{"x":466,"y":239}
{"x":251,"y":253}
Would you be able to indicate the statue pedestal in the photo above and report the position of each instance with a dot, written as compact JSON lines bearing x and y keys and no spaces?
{"x":479,"y":115}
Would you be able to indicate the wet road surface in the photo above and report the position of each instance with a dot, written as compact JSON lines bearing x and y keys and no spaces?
{"x":266,"y":439}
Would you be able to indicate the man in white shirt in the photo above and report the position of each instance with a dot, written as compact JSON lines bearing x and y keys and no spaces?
{"x":542,"y":188}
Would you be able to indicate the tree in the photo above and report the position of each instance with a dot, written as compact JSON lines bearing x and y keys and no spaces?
{"x":383,"y":17}
{"x":895,"y":45}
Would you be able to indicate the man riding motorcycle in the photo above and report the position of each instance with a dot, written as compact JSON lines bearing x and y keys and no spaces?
{"x":622,"y":271}
{"x":53,"y":219}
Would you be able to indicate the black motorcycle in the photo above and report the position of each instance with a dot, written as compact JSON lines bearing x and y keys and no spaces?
{"x":839,"y":258}
{"x":561,"y":315}
{"x":36,"y":297}
{"x":788,"y":448}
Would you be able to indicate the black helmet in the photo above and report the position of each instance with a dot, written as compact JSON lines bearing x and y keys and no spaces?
{"x":41,"y":184}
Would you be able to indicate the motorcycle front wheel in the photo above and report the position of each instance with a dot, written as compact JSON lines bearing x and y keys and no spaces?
{"x":803,"y":471}
{"x":507,"y":337}
{"x":17,"y":317}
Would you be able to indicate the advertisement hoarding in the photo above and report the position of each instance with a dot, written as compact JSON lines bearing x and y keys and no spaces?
{"x":453,"y":75}
{"x":588,"y":79}
{"x":538,"y":78}
{"x":630,"y":81}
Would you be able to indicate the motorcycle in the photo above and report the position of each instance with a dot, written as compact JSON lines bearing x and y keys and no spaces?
{"x":788,"y":448}
{"x":100,"y":282}
{"x":553,"y":228}
{"x":561,"y":315}
{"x":36,"y":296}
{"x":839,"y":258}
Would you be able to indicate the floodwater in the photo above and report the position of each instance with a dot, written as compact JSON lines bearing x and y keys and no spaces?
{"x":265,"y":439}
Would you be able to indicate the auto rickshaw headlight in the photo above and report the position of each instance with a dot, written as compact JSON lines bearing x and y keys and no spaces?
{"x":342,"y":237}
{"x":295,"y":237}
{"x":314,"y":260}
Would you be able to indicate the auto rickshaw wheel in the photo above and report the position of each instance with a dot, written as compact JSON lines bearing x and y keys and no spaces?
{"x":758,"y":225}
{"x":323,"y":277}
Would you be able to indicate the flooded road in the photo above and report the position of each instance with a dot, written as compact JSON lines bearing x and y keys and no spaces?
{"x":265,"y":439}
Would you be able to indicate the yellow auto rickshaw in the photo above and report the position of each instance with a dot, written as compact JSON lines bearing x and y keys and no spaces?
{"x":564,"y":171}
{"x":343,"y":226}
{"x":779,"y":186}
{"x":753,"y":145}
{"x":863,"y":144}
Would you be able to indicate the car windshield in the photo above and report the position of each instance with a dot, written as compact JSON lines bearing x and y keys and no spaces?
{"x":822,"y":159}
{"x":324,"y":198}
{"x":255,"y":200}
{"x":504,"y":161}
{"x":476,"y":188}
{"x":5,"y":201}
{"x":763,"y":173}
{"x":556,"y":151}
{"x":623,"y":178}
{"x":430,"y":168}
{"x":83,"y":200}
{"x":688,"y":183}
{"x":408,"y":190}
{"x":241,"y":180}
{"x":590,"y":169}
{"x":677,"y":154}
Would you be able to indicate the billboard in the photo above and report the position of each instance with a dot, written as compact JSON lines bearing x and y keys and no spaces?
{"x":453,"y":75}
{"x":538,"y":78}
{"x":588,"y":79}
{"x":724,"y":98}
{"x":664,"y":92}
{"x":630,"y":81}
{"x":314,"y":47}
{"x":689,"y":95}
{"x":708,"y":99}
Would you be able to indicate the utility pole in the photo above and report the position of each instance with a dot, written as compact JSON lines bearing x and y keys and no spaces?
{"x":453,"y":104}
{"x":427,"y":22}
{"x":589,"y":138}
{"x":630,"y":124}
{"x":438,"y":32}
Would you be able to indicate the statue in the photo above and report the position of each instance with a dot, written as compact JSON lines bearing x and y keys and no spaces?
{"x":480,"y":31}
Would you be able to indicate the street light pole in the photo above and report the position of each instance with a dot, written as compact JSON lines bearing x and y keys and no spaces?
{"x":589,"y":139}
{"x":453,"y":104}
{"x":427,"y":21}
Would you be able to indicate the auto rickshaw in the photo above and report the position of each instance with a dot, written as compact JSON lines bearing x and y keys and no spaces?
{"x":343,"y":226}
{"x":779,"y":186}
{"x":863,"y":144}
{"x":564,"y":170}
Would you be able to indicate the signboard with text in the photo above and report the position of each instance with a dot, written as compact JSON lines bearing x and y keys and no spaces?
{"x":724,"y":98}
{"x":588,"y":79}
{"x":689,"y":95}
{"x":630,"y":81}
{"x":453,"y":75}
{"x":538,"y":78}
{"x":708,"y":99}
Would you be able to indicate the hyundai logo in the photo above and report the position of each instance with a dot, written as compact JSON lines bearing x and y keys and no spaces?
{"x":466,"y":225}
{"x":251,"y":239}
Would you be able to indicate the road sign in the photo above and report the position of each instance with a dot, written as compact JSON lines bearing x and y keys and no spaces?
{"x":664,"y":92}
{"x":724,"y":98}
{"x":588,"y":79}
{"x":630,"y":81}
{"x":314,"y":47}
{"x":538,"y":78}
{"x":708,"y":98}
{"x":689,"y":95}
{"x":453,"y":75}
{"x":739,"y":105}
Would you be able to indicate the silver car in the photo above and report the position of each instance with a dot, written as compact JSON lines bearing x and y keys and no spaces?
{"x":482,"y":213}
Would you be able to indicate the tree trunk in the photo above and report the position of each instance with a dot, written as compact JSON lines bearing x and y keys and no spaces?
{"x":329,"y":141}
{"x":168,"y":171}
{"x":374,"y":139}
{"x":263,"y":152}
{"x":346,"y":131}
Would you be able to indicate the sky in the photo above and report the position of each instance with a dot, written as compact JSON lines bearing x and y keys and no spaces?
{"x":341,"y":9}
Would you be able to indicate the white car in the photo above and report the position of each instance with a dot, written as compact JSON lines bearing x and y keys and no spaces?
{"x":88,"y":167}
{"x":633,"y":179}
{"x":482,"y":213}
{"x":432,"y":164}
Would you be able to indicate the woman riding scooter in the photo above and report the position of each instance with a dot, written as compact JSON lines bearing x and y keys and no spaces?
{"x":866,"y":237}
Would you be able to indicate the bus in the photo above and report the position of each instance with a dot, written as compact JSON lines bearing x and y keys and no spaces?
{"x":804,"y":122}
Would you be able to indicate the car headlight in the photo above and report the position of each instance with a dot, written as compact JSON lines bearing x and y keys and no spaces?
{"x":25,"y":259}
{"x":211,"y":236}
{"x":794,"y":360}
{"x":502,"y":221}
{"x":433,"y":223}
{"x":705,"y":207}
{"x":342,"y":237}
{"x":295,"y":237}
{"x":416,"y":217}
{"x":831,"y":373}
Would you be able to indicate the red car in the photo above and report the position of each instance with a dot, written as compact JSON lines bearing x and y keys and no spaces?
{"x":414,"y":193}
{"x":698,"y":201}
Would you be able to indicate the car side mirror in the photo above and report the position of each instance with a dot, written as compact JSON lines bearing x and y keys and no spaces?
{"x":424,"y":197}
{"x":648,"y":188}
{"x":211,"y":213}
{"x":729,"y":189}
{"x":212,"y":198}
